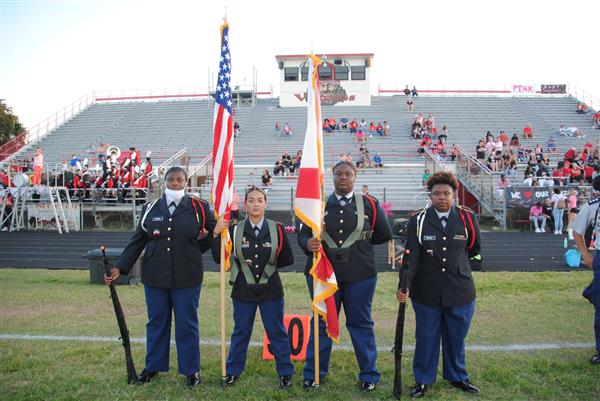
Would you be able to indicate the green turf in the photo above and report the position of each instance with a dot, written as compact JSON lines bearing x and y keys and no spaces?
{"x":511,"y":308}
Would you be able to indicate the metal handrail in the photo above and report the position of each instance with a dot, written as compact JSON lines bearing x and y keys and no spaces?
{"x":38,"y":131}
{"x":483,"y":167}
{"x":433,"y":157}
{"x":198,"y":166}
{"x":586,"y":97}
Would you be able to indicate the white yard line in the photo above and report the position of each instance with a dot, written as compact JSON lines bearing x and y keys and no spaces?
{"x":411,"y":347}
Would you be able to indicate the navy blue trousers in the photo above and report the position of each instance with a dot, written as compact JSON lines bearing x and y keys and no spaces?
{"x":357,"y":298}
{"x":271,"y":312}
{"x":593,"y":291}
{"x":161,"y":304}
{"x":450,"y":325}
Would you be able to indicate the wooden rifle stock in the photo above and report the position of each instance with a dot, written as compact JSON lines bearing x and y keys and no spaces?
{"x":399,"y":339}
{"x":131,"y":373}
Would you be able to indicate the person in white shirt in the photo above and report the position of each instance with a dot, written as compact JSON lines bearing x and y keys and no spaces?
{"x":498,"y":145}
{"x":528,"y":181}
{"x":558,"y":209}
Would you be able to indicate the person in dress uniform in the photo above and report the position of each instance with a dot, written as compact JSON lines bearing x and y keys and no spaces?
{"x":353,"y":224}
{"x":174,"y":231}
{"x":260,"y":247}
{"x":440,"y":241}
{"x":589,"y":215}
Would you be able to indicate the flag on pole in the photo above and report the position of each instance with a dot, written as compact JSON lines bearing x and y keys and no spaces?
{"x":222,"y":157}
{"x":309,"y":204}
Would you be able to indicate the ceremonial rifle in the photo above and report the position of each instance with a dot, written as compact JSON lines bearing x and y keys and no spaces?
{"x":400,"y":332}
{"x":131,"y":373}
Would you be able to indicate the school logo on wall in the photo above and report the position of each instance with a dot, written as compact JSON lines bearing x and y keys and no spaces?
{"x":332,"y":93}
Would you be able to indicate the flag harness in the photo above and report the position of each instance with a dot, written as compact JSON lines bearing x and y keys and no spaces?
{"x":270,"y":267}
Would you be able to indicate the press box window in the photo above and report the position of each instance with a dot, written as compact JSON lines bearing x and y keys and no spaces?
{"x":358,"y":73}
{"x":304,"y":73}
{"x":290,"y":73}
{"x":341,"y":73}
{"x":325,"y":73}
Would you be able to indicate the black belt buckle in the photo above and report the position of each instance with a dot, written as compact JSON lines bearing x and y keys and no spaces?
{"x":340,"y":255}
{"x":257,"y":289}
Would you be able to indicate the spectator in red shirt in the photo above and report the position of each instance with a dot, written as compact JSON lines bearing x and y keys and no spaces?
{"x":332,"y":124}
{"x":326,"y":127}
{"x":570,"y":154}
{"x":566,"y":172}
{"x":582,"y":108}
{"x":3,"y":179}
{"x":576,"y":173}
{"x":588,"y":173}
{"x":440,"y":147}
{"x":597,"y":119}
{"x":453,"y":151}
{"x":514,"y":142}
{"x":426,"y":142}
{"x":353,"y":126}
{"x":503,"y":137}
{"x":148,"y":167}
{"x":528,"y":131}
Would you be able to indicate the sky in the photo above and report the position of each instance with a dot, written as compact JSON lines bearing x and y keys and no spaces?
{"x":54,"y":52}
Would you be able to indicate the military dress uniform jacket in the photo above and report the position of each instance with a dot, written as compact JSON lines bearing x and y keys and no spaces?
{"x":257,"y":251}
{"x":340,"y":222}
{"x":174,"y":244}
{"x":439,"y":273}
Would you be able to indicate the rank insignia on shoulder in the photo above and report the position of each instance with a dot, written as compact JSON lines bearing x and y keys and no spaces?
{"x":157,"y":218}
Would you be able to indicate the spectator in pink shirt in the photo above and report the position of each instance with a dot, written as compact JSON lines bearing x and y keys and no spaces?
{"x":38,"y":166}
{"x":536,"y":214}
{"x":572,"y":210}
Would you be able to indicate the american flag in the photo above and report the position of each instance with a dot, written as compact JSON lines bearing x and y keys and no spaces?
{"x":222,"y":188}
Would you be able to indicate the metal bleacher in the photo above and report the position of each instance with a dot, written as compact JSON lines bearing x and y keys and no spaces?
{"x":165,"y":127}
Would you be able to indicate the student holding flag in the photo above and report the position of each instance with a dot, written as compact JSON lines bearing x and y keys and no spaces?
{"x":353,"y":224}
{"x":339,"y":235}
{"x":260,"y":247}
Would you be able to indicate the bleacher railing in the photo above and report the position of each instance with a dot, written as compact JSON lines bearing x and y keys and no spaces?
{"x":584,"y":96}
{"x":478,"y":179}
{"x":36,"y":132}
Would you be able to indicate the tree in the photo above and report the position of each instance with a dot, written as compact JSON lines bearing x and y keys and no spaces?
{"x":9,"y":123}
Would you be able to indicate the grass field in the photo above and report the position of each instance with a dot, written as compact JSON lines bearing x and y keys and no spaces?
{"x":512,"y":308}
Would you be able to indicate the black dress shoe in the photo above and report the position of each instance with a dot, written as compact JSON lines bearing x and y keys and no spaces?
{"x":229,"y":380}
{"x":367,"y":386}
{"x":466,"y":386}
{"x":418,"y":390}
{"x":309,"y":384}
{"x":145,"y":377}
{"x":285,"y":381}
{"x":193,"y":380}
{"x":596,"y":358}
